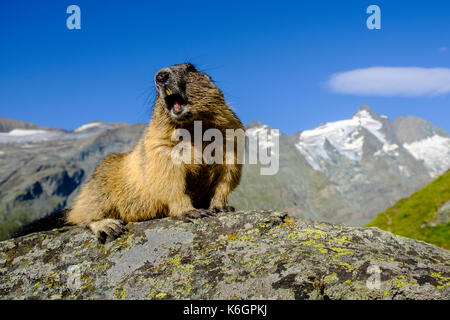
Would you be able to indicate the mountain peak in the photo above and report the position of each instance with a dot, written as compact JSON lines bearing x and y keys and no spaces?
{"x":7,"y":125}
{"x":364,"y":111}
{"x":255,"y":124}
{"x":364,"y":107}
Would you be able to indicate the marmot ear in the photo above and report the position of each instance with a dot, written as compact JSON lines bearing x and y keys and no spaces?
{"x":190,"y":67}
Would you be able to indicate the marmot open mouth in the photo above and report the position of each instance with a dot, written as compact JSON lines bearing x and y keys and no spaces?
{"x":174,"y":101}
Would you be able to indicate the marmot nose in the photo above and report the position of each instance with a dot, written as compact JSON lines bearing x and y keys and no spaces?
{"x":162,"y":77}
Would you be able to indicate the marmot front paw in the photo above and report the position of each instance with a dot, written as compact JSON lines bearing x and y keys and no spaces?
{"x":108,"y":229}
{"x":190,"y":215}
{"x":223,"y":209}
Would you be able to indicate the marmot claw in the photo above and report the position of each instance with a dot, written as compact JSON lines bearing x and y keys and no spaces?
{"x":108,"y":229}
{"x":188,"y":216}
{"x":223,"y":209}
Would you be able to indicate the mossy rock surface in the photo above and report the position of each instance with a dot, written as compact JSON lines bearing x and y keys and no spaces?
{"x":241,"y":255}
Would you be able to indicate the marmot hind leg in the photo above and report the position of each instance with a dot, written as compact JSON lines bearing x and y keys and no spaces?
{"x":107,"y":229}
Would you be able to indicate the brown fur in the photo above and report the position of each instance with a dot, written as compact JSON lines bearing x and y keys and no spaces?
{"x":145,"y":183}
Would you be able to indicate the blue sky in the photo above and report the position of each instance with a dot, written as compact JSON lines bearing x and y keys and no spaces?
{"x":273,"y":60}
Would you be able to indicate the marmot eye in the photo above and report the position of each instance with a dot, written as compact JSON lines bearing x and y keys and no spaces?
{"x":190,"y":67}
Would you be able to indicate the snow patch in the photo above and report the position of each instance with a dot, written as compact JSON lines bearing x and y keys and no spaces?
{"x":388,"y":147}
{"x":404,"y":170}
{"x":365,"y":120}
{"x":434,"y":152}
{"x":27,"y":135}
{"x":88,"y":126}
{"x":23,"y":132}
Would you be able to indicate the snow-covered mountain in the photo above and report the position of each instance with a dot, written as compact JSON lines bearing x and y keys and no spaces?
{"x":347,"y":138}
{"x":425,"y":142}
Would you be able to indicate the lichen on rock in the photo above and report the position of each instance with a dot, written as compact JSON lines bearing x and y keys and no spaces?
{"x":239,"y":255}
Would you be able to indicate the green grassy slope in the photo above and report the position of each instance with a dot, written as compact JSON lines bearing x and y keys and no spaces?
{"x":409,"y":217}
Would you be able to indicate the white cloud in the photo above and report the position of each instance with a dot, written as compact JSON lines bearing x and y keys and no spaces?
{"x":392,"y":81}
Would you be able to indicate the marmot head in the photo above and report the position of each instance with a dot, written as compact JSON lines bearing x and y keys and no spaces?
{"x":186,"y":94}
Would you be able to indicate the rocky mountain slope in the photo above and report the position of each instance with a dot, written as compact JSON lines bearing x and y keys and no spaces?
{"x":340,"y":172}
{"x":425,"y":215}
{"x":41,"y":173}
{"x":242,"y":255}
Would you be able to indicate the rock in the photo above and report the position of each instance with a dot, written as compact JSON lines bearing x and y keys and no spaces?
{"x":442,"y":215}
{"x":241,"y":255}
